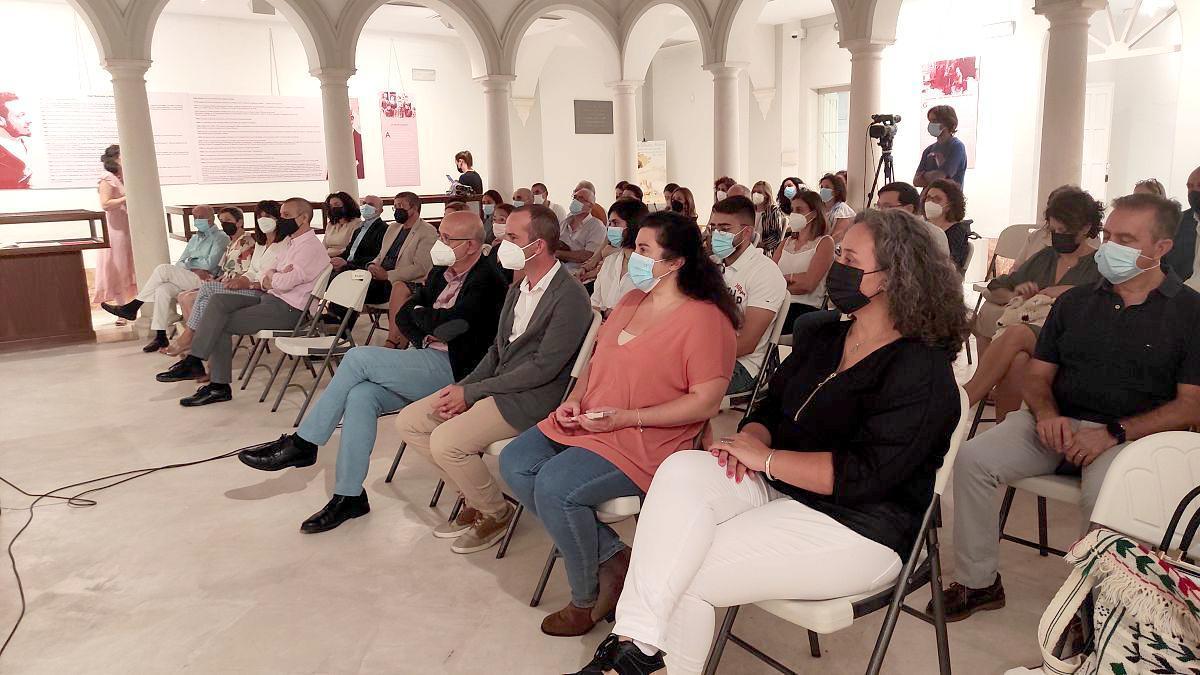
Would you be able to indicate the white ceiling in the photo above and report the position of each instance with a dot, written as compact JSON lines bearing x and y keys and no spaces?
{"x":787,"y":11}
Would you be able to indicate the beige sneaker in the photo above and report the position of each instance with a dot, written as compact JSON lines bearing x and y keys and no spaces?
{"x":453,"y":529}
{"x":485,"y":533}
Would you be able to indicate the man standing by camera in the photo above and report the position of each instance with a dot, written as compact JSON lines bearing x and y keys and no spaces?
{"x":947,"y":157}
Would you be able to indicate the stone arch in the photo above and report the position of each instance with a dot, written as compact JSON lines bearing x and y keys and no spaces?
{"x":529,"y":11}
{"x":103,"y":21}
{"x":468,"y":20}
{"x":639,"y":41}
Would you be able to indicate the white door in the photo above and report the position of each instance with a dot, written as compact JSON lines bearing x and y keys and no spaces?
{"x":1097,"y":129}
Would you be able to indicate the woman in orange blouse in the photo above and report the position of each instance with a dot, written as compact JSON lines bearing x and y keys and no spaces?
{"x":661,"y":365}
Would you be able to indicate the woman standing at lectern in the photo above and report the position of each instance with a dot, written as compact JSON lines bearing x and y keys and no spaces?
{"x":115,"y":281}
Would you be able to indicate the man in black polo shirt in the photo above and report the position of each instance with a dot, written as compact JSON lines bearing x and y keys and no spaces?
{"x":1115,"y":362}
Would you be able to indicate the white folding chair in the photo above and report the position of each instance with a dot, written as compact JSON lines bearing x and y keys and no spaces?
{"x":581,"y":360}
{"x":348,"y":291}
{"x":610,"y":512}
{"x":770,"y":362}
{"x":922,"y":567}
{"x":1145,"y":484}
{"x":306,"y":323}
{"x":374,"y":312}
{"x":1065,"y":489}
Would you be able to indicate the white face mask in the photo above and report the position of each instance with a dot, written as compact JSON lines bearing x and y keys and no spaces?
{"x":798,"y":222}
{"x":934,"y":210}
{"x":442,"y":254}
{"x":538,"y":199}
{"x":266,"y":224}
{"x":511,"y":256}
{"x":758,"y":198}
{"x":499,"y":229}
{"x":721,"y":195}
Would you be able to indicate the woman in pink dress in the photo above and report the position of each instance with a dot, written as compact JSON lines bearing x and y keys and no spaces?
{"x":115,"y":281}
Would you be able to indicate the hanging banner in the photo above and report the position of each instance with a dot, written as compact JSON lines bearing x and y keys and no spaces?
{"x":954,"y":82}
{"x":398,"y":118}
{"x":652,"y":170}
{"x":356,"y":130}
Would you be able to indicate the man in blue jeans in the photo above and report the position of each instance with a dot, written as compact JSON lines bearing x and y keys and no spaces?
{"x":450,"y":321}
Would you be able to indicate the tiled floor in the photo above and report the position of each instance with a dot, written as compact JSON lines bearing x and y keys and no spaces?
{"x":203,"y":569}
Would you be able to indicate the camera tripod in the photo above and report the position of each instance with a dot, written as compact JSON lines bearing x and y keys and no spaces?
{"x":889,"y":175}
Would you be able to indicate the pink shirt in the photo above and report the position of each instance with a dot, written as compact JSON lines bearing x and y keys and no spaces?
{"x":307,"y":259}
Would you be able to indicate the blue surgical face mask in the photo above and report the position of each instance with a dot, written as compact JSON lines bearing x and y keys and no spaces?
{"x":789,"y":191}
{"x":576,"y":206}
{"x":723,"y":243}
{"x":615,"y":235}
{"x":368,"y":212}
{"x":202,"y":224}
{"x":488,"y":209}
{"x":1118,"y":263}
{"x":826,"y":194}
{"x":518,"y":203}
{"x":641,"y":272}
{"x":935,"y":129}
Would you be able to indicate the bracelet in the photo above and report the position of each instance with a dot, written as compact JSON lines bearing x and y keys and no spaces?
{"x":639,"y":415}
{"x":767,"y":466}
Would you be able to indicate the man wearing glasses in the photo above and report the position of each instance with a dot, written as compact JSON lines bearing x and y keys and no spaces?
{"x":451,"y":319}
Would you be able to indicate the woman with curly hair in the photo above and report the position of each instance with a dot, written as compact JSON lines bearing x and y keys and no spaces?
{"x":821,"y":494}
{"x":1073,"y":217}
{"x":662,"y":363}
{"x":946,"y":206}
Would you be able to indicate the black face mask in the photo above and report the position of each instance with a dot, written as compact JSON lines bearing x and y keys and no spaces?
{"x":1063,"y":242}
{"x":285,"y":227}
{"x":401,"y":216}
{"x":1194,"y":199}
{"x":229,"y":228}
{"x":676,"y":206}
{"x":843,"y":285}
{"x":337,"y":213}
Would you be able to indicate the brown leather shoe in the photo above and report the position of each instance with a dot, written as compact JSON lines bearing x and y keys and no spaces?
{"x":962,"y":602}
{"x":612,"y":582}
{"x":570,"y":621}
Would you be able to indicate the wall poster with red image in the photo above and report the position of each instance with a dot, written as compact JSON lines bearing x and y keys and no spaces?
{"x":955,"y":82}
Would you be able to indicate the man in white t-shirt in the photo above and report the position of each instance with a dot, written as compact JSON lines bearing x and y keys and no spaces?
{"x":582,"y":233}
{"x":541,"y":195}
{"x":757,"y":285}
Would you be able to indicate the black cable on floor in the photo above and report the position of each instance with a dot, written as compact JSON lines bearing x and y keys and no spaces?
{"x":77,"y":501}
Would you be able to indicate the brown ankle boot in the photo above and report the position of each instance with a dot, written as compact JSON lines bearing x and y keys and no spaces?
{"x":612,"y":582}
{"x":570,"y":621}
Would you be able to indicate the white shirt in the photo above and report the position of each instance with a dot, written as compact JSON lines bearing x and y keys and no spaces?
{"x":840,"y":210}
{"x":263,"y":257}
{"x":559,"y":211}
{"x":528,"y":301}
{"x":797,"y":262}
{"x":755,"y":281}
{"x":590,"y":236}
{"x":612,"y":282}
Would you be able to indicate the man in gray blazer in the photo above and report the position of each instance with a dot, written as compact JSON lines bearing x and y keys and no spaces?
{"x":518,"y":383}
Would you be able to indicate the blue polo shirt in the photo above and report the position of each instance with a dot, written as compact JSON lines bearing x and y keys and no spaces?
{"x":953,"y":159}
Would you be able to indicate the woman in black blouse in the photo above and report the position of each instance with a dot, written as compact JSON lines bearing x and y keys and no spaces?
{"x":822,"y":492}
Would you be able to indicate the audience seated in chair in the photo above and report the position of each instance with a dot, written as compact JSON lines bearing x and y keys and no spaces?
{"x":342,"y":220}
{"x":520,"y":380}
{"x":754,"y":281}
{"x":403,"y":260}
{"x":582,"y":233}
{"x":822,"y":492}
{"x":1182,"y":257}
{"x":905,"y":197}
{"x":805,"y":255}
{"x":499,"y":227}
{"x":452,"y":321}
{"x":366,"y":241}
{"x":200,"y":262}
{"x":946,"y":207}
{"x":1116,"y":361}
{"x":612,"y":282}
{"x":288,"y":283}
{"x":660,"y":368}
{"x":1073,"y":217}
{"x":239,"y":279}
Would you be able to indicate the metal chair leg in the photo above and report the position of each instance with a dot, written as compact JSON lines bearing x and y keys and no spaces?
{"x":978,"y":418}
{"x":255,"y":353}
{"x":1043,"y":535}
{"x":939,"y":601}
{"x":287,"y":382}
{"x":541,"y":587}
{"x":457,"y":508}
{"x":311,"y":391}
{"x":718,"y":648}
{"x":814,"y":645}
{"x":437,"y":493}
{"x":1005,"y":507}
{"x":508,"y":534}
{"x":395,"y":463}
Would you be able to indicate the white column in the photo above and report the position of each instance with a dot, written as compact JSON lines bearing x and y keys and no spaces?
{"x":625,"y":127}
{"x":866,"y":61}
{"x":497,"y":92}
{"x":339,"y":136}
{"x":1066,"y":85}
{"x":727,"y":154}
{"x":139,"y":166}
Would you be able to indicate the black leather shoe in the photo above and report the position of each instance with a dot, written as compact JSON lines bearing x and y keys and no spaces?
{"x":337,"y":511}
{"x":127,"y":312}
{"x":209,"y":393}
{"x":277,"y":455}
{"x":623,"y":657}
{"x":961,"y":601}
{"x":156,"y":344}
{"x":184,"y":369}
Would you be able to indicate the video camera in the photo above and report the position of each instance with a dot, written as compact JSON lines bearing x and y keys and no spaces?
{"x":883,"y":129}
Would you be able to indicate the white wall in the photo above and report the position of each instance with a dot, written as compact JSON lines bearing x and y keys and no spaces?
{"x":820,"y":64}
{"x":683,"y":117}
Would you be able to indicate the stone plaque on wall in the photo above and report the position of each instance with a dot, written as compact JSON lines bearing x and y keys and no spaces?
{"x":593,"y":117}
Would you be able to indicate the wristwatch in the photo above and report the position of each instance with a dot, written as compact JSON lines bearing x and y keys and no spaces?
{"x":1116,"y":431}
